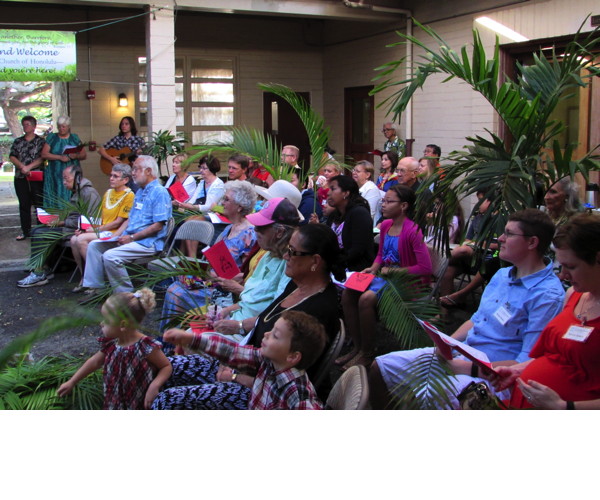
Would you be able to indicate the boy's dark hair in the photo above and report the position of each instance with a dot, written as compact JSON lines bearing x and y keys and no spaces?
{"x":581,"y":235}
{"x":534,"y":222}
{"x":242,"y":160}
{"x":308,"y":337}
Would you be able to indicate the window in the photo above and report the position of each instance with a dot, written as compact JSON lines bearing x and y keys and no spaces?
{"x":209,"y":87}
{"x":204,"y":95}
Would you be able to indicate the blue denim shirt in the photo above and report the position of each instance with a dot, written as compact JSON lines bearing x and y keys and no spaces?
{"x":151,"y":204}
{"x":529,"y":303}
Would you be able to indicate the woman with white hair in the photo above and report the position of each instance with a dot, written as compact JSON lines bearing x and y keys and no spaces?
{"x":239,"y":237}
{"x":56,"y":151}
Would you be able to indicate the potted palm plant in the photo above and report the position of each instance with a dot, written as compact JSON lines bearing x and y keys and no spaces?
{"x":164,"y":144}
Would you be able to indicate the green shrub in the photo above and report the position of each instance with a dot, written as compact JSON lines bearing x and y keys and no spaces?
{"x":32,"y":386}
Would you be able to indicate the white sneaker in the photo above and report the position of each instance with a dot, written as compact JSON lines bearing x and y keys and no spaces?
{"x":33,"y":280}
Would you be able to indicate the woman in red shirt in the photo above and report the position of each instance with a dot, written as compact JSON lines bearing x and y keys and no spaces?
{"x":564,"y":372}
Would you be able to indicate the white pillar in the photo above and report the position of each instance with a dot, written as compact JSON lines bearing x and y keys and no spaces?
{"x":160,"y":60}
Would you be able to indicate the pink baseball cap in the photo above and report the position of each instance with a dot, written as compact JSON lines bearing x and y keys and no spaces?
{"x":280,"y":210}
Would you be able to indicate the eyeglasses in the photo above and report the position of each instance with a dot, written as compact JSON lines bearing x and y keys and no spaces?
{"x":296,"y":253}
{"x":116,"y":176}
{"x":137,"y":168}
{"x":508,"y":234}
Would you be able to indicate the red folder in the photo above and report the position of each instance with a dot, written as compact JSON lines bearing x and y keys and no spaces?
{"x":72,"y":149}
{"x":178,"y":192}
{"x":46,"y":218}
{"x":199,"y":327}
{"x":221,"y":260}
{"x":445,"y":345}
{"x":36,"y":176}
{"x":85,"y":223}
{"x":359,"y":281}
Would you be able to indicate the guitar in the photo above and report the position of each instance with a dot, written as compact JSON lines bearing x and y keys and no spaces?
{"x":123,"y":155}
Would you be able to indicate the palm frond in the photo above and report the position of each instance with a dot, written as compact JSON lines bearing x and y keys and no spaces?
{"x":512,"y":168}
{"x":32,"y":386}
{"x":318,"y":133}
{"x":401,"y":302}
{"x":252,"y":143}
{"x":427,"y":385}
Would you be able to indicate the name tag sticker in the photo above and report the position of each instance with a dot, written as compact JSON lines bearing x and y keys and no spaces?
{"x":139,"y":205}
{"x":578,"y":333}
{"x":502,"y":315}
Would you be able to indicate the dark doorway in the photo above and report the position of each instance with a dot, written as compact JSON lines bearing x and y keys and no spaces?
{"x":284,"y":125}
{"x":358,"y":123}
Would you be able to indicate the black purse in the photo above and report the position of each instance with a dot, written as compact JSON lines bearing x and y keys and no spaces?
{"x":477,"y":396}
{"x":202,"y":199}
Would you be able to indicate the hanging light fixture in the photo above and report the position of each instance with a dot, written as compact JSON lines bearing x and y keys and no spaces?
{"x":123,"y":102}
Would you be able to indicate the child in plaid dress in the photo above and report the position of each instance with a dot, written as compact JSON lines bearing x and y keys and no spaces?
{"x":134,"y":365}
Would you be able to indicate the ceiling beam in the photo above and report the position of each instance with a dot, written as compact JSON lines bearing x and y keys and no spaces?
{"x":317,"y":9}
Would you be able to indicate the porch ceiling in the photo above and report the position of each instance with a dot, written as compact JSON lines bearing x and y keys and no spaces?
{"x":378,"y":11}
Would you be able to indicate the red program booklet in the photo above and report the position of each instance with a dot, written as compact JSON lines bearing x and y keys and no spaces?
{"x":178,"y":192}
{"x":221,"y":260}
{"x":85,"y":223}
{"x":46,"y":218}
{"x":445,"y":344}
{"x":359,"y":281}
{"x":72,"y":149}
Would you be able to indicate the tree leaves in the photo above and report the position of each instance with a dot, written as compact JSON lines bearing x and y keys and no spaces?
{"x":516,"y":168}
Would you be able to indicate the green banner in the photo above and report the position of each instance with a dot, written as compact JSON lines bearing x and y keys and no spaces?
{"x":36,"y":55}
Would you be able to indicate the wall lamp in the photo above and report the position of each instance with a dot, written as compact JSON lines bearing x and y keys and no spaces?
{"x":123,"y":102}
